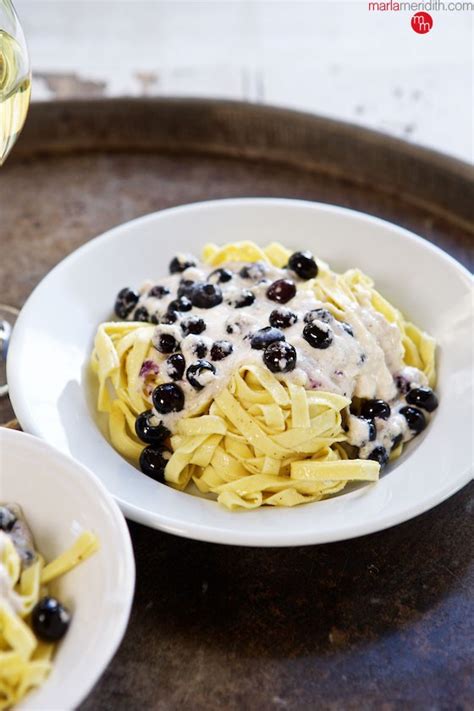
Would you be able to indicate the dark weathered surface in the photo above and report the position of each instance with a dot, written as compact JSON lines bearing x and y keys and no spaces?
{"x":380,"y":622}
{"x":384,"y":621}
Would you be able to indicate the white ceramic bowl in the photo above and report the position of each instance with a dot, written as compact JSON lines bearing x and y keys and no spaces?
{"x":61,"y":498}
{"x":53,"y":338}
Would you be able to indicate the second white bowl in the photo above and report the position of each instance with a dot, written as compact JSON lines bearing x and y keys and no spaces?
{"x":60,"y":499}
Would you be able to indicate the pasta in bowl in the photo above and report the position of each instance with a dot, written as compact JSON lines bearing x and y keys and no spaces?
{"x":66,"y":559}
{"x":32,"y":621}
{"x":261,"y":376}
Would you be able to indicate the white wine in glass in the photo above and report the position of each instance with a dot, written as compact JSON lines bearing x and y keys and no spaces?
{"x":15,"y":78}
{"x":15,"y":89}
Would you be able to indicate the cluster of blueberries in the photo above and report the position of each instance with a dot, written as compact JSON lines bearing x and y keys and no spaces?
{"x":418,"y":399}
{"x":278,"y":355}
{"x":206,"y":295}
{"x":49,"y":618}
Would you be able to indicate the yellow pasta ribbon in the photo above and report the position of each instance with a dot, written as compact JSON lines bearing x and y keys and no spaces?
{"x":82,"y":548}
{"x":25,"y":662}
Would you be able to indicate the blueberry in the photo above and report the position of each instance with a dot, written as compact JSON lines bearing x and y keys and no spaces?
{"x":186,"y":287}
{"x":169,"y":317}
{"x":166,"y":343}
{"x":347,"y":328}
{"x":181,"y":262}
{"x":221,"y":349}
{"x":27,"y":556}
{"x":253,"y":271}
{"x":220,"y":276}
{"x":379,"y":454}
{"x":206,"y":296}
{"x":168,"y":397}
{"x":198,"y":372}
{"x":375,"y":408}
{"x":402,"y":384}
{"x":182,"y":303}
{"x":415,"y":419}
{"x":175,"y":366}
{"x":316,"y":336}
{"x":246,"y":298}
{"x":261,"y":339}
{"x":282,"y":290}
{"x":396,"y":441}
{"x":159,"y":291}
{"x":141,"y":314}
{"x":7,"y":519}
{"x":318,"y":315}
{"x":50,"y":620}
{"x":303,"y":264}
{"x":148,"y":433}
{"x":153,"y":462}
{"x":194,"y":325}
{"x":148,"y":368}
{"x":126,"y":301}
{"x":372,"y":429}
{"x":424,"y":398}
{"x":282,"y":318}
{"x":154,"y":319}
{"x":200,"y":349}
{"x":280,"y":357}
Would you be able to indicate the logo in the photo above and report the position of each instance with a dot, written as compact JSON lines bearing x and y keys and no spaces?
{"x":421,"y":22}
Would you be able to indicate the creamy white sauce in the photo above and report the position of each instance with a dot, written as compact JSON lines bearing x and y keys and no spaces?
{"x":361,"y":365}
{"x":7,"y":593}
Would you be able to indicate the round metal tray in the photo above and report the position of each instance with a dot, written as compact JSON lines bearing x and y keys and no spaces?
{"x":382,"y":621}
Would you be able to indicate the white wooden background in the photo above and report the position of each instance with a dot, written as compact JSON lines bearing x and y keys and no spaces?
{"x":333,"y":58}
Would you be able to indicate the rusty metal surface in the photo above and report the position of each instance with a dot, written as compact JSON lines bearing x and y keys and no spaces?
{"x":380,"y":622}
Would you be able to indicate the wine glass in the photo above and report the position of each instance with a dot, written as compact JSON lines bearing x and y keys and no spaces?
{"x":15,"y":78}
{"x":15,"y":89}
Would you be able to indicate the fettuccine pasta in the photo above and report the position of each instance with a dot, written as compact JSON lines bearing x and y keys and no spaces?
{"x":278,"y":414}
{"x":26,"y":660}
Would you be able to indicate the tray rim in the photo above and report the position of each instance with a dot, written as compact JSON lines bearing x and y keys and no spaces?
{"x":445,"y":160}
{"x":442,"y":190}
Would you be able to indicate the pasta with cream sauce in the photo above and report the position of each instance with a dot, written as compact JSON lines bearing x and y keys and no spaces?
{"x":261,"y":376}
{"x":31,"y":621}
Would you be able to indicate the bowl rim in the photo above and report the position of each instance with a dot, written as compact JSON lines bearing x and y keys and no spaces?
{"x":15,"y":438}
{"x":202,"y":531}
{"x":204,"y":205}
